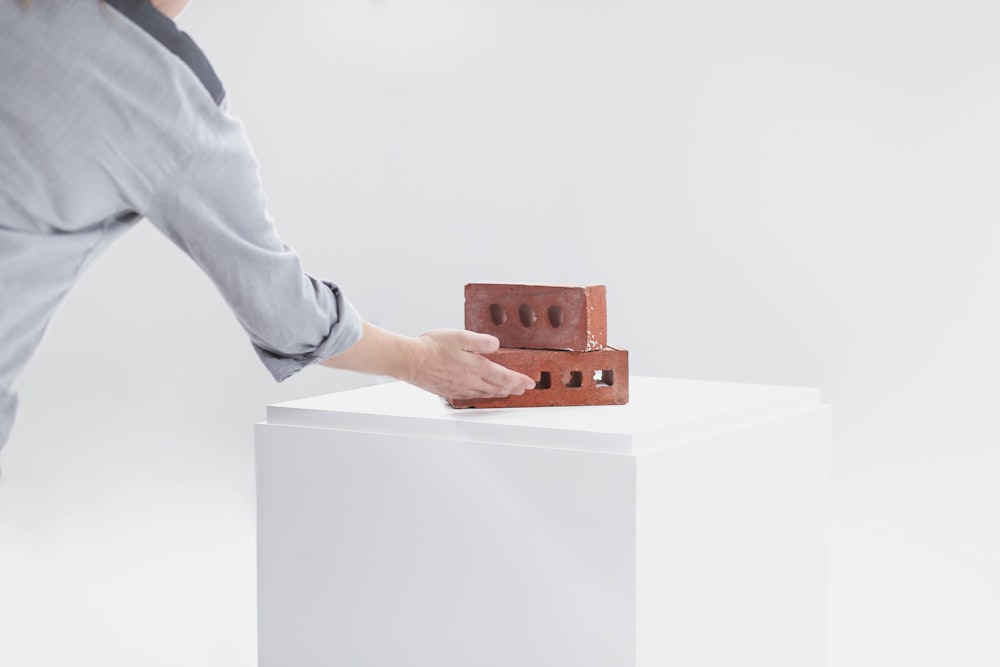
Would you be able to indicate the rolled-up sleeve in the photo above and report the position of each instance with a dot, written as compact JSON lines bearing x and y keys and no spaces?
{"x":213,"y":207}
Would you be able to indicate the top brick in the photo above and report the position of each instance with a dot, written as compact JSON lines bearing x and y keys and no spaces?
{"x":541,"y":317}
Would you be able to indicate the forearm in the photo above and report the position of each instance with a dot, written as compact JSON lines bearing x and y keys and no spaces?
{"x":212,"y":206}
{"x":378,"y":352}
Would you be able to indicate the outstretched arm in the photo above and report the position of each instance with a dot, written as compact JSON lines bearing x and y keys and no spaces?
{"x":446,"y":362}
{"x":213,"y":207}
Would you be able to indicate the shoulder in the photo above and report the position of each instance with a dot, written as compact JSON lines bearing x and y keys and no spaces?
{"x":108,"y":99}
{"x":164,"y":32}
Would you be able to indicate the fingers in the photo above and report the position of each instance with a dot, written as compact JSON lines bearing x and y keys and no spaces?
{"x":501,"y":379}
{"x":486,"y":379}
{"x":479,"y":343}
{"x":453,"y":366}
{"x":505,"y":380}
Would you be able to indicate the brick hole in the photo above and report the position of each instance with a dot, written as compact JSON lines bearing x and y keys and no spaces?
{"x":545,"y":382}
{"x":555,"y":316}
{"x":604,"y":378}
{"x":498,"y":314}
{"x":527,"y":314}
{"x":575,"y":379}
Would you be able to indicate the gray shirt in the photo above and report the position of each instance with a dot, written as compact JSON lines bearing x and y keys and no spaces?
{"x":110,"y":114}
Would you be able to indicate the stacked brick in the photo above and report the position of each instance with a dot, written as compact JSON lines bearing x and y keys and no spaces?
{"x":556,"y":335}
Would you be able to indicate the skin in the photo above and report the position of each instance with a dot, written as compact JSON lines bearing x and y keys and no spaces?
{"x":446,"y":362}
{"x":171,"y":8}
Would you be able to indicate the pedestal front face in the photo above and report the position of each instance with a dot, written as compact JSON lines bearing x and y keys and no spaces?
{"x":386,"y":550}
{"x":685,"y":528}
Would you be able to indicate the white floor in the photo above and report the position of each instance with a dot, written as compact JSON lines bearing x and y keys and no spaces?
{"x":144,"y":555}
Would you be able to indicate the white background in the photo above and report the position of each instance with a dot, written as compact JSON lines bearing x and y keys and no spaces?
{"x":773,"y":192}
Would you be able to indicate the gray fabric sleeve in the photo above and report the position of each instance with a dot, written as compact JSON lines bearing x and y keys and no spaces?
{"x":214,"y":209}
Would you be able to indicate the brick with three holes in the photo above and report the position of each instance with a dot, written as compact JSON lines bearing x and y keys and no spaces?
{"x":541,"y":317}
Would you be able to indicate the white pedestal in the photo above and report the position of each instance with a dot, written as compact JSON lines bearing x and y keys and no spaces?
{"x":688,"y":527}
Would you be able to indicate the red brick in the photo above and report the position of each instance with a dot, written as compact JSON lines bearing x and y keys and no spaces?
{"x":563,"y":378}
{"x":541,"y":317}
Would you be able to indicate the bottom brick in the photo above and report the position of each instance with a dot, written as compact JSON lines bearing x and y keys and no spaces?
{"x":599,"y":377}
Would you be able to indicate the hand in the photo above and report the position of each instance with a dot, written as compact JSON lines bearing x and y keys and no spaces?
{"x":446,"y":362}
{"x":449,"y":363}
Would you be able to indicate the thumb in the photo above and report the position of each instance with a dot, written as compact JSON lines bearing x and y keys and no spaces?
{"x":479,"y":342}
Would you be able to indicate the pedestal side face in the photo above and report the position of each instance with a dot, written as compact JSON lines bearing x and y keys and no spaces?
{"x":386,"y":550}
{"x":732,"y":544}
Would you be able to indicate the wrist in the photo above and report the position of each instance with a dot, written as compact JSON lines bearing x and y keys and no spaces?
{"x":398,"y":357}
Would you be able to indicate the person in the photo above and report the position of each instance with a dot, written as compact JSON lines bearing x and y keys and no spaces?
{"x":110,"y":114}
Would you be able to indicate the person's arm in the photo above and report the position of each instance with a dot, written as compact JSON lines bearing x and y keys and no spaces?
{"x":213,"y":207}
{"x":446,"y":362}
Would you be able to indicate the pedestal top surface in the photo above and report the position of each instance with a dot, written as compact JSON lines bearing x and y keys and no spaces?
{"x":660,"y":412}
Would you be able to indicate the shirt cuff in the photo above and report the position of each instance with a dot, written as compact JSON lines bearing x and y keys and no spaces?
{"x":344,"y":332}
